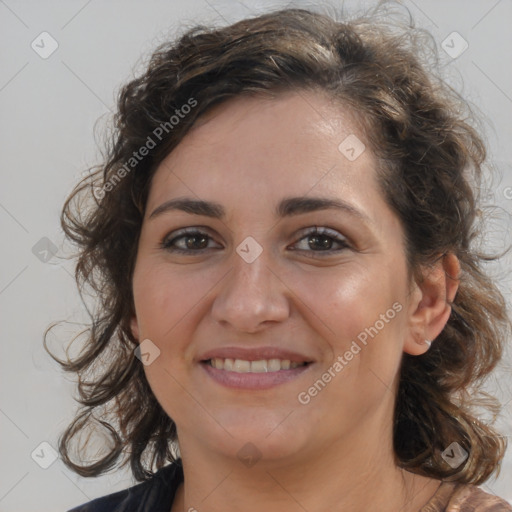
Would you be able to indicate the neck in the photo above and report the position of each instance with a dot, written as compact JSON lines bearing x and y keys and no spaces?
{"x":355,"y":475}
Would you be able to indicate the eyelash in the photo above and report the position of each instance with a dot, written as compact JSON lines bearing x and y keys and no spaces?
{"x":167,"y":242}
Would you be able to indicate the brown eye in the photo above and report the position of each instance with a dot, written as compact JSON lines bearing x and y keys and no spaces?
{"x":322,"y":240}
{"x":186,"y":241}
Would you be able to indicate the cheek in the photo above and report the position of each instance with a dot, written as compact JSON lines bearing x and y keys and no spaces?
{"x":163,"y":298}
{"x":350,"y":309}
{"x":349,"y":299}
{"x":357,"y":309}
{"x":164,"y":303}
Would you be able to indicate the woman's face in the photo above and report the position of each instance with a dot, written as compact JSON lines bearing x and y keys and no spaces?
{"x":256,"y":329}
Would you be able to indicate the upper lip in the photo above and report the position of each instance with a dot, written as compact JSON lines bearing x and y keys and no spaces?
{"x":254,"y":354}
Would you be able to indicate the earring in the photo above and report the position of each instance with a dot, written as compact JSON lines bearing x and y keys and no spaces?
{"x":428,"y":342}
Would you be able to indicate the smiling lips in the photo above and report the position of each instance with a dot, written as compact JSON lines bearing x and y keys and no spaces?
{"x":253,"y":368}
{"x":260,"y":366}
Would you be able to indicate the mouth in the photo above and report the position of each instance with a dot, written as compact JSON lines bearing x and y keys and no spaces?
{"x":254,"y":369}
{"x":259,"y":366}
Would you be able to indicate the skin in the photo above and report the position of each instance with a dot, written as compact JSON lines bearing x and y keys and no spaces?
{"x":334,"y":453}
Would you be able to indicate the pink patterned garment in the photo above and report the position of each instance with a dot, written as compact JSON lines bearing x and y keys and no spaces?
{"x":457,"y":497}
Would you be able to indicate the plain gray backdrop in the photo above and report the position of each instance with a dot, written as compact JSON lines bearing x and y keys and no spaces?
{"x":49,"y":107}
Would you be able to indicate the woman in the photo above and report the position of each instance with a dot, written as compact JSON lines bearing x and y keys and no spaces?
{"x":292,"y":310}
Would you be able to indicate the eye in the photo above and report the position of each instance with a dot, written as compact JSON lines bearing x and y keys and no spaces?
{"x":322,"y":238}
{"x":315,"y":240}
{"x":186,"y":241}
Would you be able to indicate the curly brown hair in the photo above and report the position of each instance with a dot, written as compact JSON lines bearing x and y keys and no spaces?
{"x":431,"y":163}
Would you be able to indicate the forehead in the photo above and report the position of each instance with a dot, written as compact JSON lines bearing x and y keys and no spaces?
{"x":262,"y":148}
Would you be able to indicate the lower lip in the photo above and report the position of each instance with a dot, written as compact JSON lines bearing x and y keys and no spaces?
{"x":253,"y":380}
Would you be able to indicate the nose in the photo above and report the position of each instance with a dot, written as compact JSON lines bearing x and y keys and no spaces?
{"x":251,"y":296}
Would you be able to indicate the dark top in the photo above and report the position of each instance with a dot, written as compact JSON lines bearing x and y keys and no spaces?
{"x":153,"y":495}
{"x":157,"y":495}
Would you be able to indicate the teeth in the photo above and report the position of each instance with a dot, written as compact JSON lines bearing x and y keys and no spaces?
{"x":274,"y":365}
{"x":285,"y":365}
{"x":239,"y":366}
{"x":261,"y":366}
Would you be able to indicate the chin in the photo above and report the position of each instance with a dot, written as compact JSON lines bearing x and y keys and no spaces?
{"x":271,"y":438}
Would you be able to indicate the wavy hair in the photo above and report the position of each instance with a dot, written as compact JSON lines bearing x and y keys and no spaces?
{"x":431,"y":171}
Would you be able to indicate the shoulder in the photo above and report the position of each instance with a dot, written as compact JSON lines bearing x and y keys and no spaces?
{"x":457,"y":497}
{"x":470,"y":498}
{"x":155,"y":494}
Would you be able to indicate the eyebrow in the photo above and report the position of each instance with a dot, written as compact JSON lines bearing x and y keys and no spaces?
{"x":287,"y":207}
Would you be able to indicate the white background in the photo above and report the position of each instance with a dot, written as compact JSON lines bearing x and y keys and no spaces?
{"x":48,"y":111}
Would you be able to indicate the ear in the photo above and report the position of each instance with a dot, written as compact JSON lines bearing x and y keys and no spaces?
{"x":430,"y":306}
{"x":134,"y":326}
